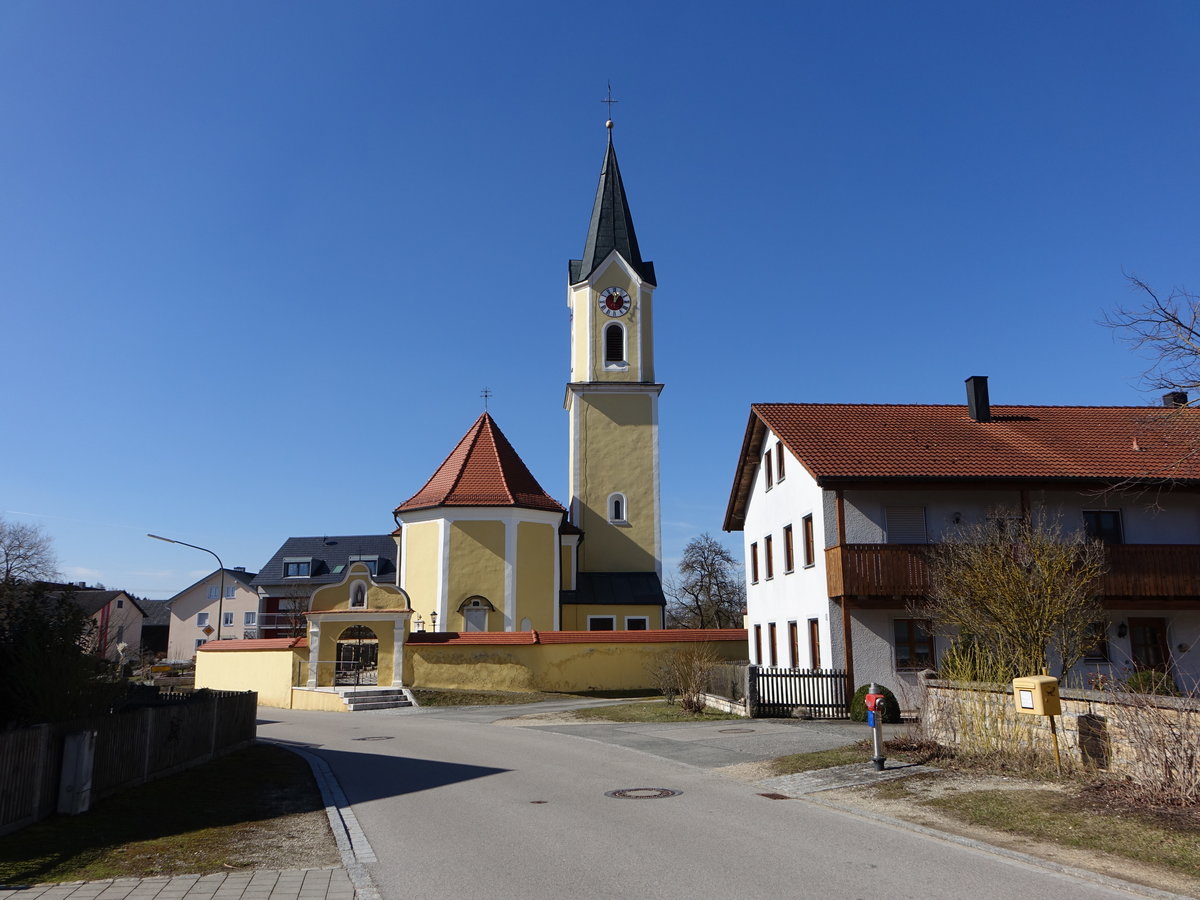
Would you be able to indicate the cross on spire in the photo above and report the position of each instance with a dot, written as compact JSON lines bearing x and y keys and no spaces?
{"x":610,"y":101}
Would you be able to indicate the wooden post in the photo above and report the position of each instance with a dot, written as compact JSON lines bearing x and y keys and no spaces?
{"x":848,"y":642}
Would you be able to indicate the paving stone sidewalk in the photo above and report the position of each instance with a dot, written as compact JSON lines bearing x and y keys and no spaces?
{"x":286,"y":884}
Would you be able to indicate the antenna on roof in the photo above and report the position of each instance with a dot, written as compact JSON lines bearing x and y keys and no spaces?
{"x":485,"y":394}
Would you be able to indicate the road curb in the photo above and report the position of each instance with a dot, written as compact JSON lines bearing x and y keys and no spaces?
{"x":351,"y":840}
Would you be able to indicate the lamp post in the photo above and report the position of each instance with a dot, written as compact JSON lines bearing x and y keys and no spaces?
{"x":220,"y":567}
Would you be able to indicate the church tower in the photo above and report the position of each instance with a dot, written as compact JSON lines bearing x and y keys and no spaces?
{"x":612,"y":403}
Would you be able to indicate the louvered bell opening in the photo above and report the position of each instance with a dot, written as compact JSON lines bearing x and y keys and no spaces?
{"x":614,"y":344}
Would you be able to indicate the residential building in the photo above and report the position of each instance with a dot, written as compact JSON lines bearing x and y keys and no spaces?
{"x":838,"y":504}
{"x":220,"y":606}
{"x":116,"y":620}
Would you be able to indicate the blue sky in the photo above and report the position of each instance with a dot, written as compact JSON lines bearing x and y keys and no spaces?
{"x":259,"y":259}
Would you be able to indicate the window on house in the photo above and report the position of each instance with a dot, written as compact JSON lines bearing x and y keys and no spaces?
{"x":230,"y":591}
{"x":297,"y":568}
{"x":249,"y":619}
{"x":614,"y":344}
{"x":810,"y":550}
{"x":905,"y":525}
{"x":772,"y":652}
{"x":120,"y":603}
{"x":754,"y":563}
{"x":768,"y":556}
{"x":371,"y":562}
{"x":913,"y":643}
{"x":602,"y":623}
{"x":779,"y":460}
{"x":201,"y":620}
{"x":199,"y":641}
{"x":1103,"y":525}
{"x":1097,"y":650}
{"x":793,"y":645}
{"x":768,"y":471}
{"x":758,"y":645}
{"x":789,"y":553}
{"x":618,"y":511}
{"x":214,"y":593}
{"x":637,"y":623}
{"x":227,"y":620}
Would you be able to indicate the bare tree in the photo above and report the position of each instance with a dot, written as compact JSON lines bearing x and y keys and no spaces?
{"x":26,"y":553}
{"x":709,"y":591}
{"x":1166,"y":329}
{"x":1021,"y":588}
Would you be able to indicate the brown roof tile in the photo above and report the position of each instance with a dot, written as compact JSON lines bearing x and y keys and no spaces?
{"x":483,"y":470}
{"x":862,"y":442}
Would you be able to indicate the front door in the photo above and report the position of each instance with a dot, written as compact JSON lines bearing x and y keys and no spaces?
{"x":1148,"y":643}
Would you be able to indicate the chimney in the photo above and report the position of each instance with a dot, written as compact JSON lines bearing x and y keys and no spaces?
{"x":239,"y":568}
{"x":978,"y":405}
{"x":1175,"y":399}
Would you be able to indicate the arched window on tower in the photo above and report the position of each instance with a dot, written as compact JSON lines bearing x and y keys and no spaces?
{"x":618,"y":509}
{"x":614,"y":344}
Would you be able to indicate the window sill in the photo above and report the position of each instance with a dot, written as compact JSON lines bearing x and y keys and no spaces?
{"x":619,"y":522}
{"x":811,"y":565}
{"x":789,"y":571}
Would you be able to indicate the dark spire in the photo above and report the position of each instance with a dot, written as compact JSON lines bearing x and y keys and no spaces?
{"x":611,"y":227}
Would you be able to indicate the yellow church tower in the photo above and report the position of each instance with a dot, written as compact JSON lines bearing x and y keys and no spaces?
{"x":612,"y":405}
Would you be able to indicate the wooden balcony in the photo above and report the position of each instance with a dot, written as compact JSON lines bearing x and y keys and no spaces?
{"x":884,"y":571}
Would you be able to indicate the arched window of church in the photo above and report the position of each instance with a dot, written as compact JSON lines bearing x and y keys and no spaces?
{"x":614,"y":343}
{"x":618,"y":509}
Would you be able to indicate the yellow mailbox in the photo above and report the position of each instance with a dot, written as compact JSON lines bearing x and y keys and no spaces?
{"x":1037,"y":695}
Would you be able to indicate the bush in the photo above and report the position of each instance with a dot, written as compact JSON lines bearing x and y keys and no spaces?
{"x":682,"y":675}
{"x":891,"y":708}
{"x":1151,"y":681}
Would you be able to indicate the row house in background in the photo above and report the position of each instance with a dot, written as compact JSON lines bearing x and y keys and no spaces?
{"x":839,"y":502}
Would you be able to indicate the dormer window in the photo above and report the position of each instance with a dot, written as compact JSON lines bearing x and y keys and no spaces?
{"x":371,"y":562}
{"x":297,"y":567}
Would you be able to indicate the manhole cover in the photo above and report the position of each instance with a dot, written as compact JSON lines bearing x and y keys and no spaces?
{"x":642,"y":793}
{"x":736,"y":730}
{"x":774,"y":796}
{"x":374,"y":737}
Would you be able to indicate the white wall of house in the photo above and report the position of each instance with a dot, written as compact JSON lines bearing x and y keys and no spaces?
{"x":793,"y":595}
{"x":189,"y":607}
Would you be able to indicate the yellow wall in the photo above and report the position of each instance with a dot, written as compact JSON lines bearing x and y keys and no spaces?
{"x":575,"y":616}
{"x":270,"y":672}
{"x":423,"y":564}
{"x":318,"y":700}
{"x":617,"y":455}
{"x":547,"y":667}
{"x":476,"y":568}
{"x":566,"y":567}
{"x":536,"y":590}
{"x":384,"y":630}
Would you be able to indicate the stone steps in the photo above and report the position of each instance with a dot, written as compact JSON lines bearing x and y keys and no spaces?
{"x":381,"y":698}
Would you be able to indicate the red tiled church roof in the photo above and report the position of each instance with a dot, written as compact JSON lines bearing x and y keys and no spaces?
{"x":862,"y":442}
{"x":483,"y":470}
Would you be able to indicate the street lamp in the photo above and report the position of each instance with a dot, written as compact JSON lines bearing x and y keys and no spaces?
{"x":433,"y":621}
{"x":220,"y":566}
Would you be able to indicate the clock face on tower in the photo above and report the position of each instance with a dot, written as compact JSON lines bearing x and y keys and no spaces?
{"x":614,"y":302}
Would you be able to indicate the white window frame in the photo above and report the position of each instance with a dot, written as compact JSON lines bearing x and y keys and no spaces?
{"x":202,"y":620}
{"x":249,"y":619}
{"x":214,"y":592}
{"x":227,"y":619}
{"x":371,"y":561}
{"x":615,"y":365}
{"x":629,"y":619}
{"x":298,"y":561}
{"x":230,"y":591}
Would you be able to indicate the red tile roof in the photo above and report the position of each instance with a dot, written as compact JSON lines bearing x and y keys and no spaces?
{"x":860,"y":442}
{"x":483,"y":470}
{"x":656,"y":636}
{"x":258,"y":644}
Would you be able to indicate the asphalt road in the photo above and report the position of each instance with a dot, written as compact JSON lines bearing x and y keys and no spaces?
{"x":456,"y":807}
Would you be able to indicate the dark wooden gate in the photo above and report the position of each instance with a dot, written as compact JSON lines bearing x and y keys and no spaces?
{"x":779,"y":692}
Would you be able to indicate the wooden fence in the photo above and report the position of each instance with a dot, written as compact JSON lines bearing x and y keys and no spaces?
{"x":770,"y":692}
{"x":130,"y":748}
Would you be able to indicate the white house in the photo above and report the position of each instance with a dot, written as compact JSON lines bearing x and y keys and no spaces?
{"x":201,"y":612}
{"x":837,"y":502}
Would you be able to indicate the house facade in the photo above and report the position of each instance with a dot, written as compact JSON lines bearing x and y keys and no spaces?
{"x":116,"y":631}
{"x":220,"y":606}
{"x":838,"y":505}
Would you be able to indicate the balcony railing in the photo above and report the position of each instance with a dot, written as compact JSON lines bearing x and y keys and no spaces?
{"x":900,"y":570}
